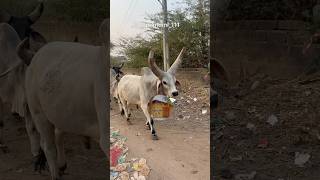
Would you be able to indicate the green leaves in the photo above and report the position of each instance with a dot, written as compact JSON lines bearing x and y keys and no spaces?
{"x":192,"y":33}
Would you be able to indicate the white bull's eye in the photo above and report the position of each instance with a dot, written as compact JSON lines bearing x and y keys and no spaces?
{"x":164,"y":82}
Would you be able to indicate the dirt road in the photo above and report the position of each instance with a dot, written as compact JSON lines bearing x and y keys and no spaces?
{"x":17,"y":163}
{"x":182,"y":151}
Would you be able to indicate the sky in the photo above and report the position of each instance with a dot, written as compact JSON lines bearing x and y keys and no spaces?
{"x":127,"y":16}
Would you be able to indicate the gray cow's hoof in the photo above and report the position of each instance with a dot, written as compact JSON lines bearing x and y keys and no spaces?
{"x":4,"y":148}
{"x":62,"y":169}
{"x":40,"y":162}
{"x":154,"y":137}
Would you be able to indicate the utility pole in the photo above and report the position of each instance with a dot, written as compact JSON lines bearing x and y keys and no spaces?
{"x":165,"y":35}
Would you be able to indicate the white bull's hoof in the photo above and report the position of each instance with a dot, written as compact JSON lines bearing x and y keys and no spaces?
{"x":155,"y":137}
{"x":147,"y":127}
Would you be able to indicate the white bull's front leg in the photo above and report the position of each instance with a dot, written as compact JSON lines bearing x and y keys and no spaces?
{"x":144,"y":107}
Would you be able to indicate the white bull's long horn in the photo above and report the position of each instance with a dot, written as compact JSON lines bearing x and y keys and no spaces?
{"x":36,"y":13}
{"x":153,"y":66}
{"x":176,"y":63}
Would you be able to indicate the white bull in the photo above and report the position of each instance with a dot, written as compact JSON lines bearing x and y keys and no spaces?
{"x":66,"y":89}
{"x":139,"y":90}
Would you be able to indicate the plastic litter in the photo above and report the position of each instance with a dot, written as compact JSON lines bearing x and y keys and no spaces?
{"x":120,"y":167}
{"x":245,"y":176}
{"x":204,"y":111}
{"x":301,"y":159}
{"x":272,"y":119}
{"x":263,"y":143}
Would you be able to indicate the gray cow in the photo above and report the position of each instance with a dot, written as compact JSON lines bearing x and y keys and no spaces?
{"x":12,"y":75}
{"x":139,"y":90}
{"x":218,"y":72}
{"x":22,"y":25}
{"x":66,"y":90}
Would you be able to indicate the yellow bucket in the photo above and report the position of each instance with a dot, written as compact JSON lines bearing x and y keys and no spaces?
{"x":160,"y":109}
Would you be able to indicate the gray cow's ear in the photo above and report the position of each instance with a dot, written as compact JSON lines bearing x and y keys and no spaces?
{"x":36,"y":13}
{"x":4,"y":17}
{"x":36,"y":41}
{"x":24,"y":52}
{"x":218,"y":70}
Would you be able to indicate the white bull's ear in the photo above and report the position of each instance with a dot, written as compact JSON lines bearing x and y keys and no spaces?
{"x":176,"y":63}
{"x":36,"y":13}
{"x":24,"y":52}
{"x":178,"y":85}
{"x":4,"y":17}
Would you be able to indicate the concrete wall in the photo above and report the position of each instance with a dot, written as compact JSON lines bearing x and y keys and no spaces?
{"x":275,"y":47}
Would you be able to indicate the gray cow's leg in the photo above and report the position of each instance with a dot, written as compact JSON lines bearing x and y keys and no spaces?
{"x":3,"y":147}
{"x":62,"y":164}
{"x":34,"y":138}
{"x":144,"y":108}
{"x":124,"y":107}
{"x":47,"y":135}
{"x":1,"y":122}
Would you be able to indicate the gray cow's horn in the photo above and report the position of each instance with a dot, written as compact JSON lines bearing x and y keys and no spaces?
{"x":4,"y":17}
{"x":153,"y":66}
{"x":36,"y":13}
{"x":177,"y":63}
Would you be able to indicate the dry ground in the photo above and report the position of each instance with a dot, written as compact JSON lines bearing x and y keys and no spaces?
{"x":269,"y":150}
{"x":182,"y":151}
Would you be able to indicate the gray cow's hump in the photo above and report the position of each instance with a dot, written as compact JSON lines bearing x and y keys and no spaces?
{"x":69,"y":51}
{"x":9,"y":40}
{"x":8,"y":34}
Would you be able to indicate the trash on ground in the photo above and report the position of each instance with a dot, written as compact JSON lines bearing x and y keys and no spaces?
{"x":204,"y":111}
{"x":230,"y":115}
{"x":245,"y":176}
{"x":263,"y":143}
{"x":272,"y":119}
{"x":255,"y":85}
{"x":301,"y":159}
{"x":251,"y":127}
{"x":120,"y":167}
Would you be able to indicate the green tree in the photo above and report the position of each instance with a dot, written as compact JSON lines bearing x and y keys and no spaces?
{"x":192,"y":33}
